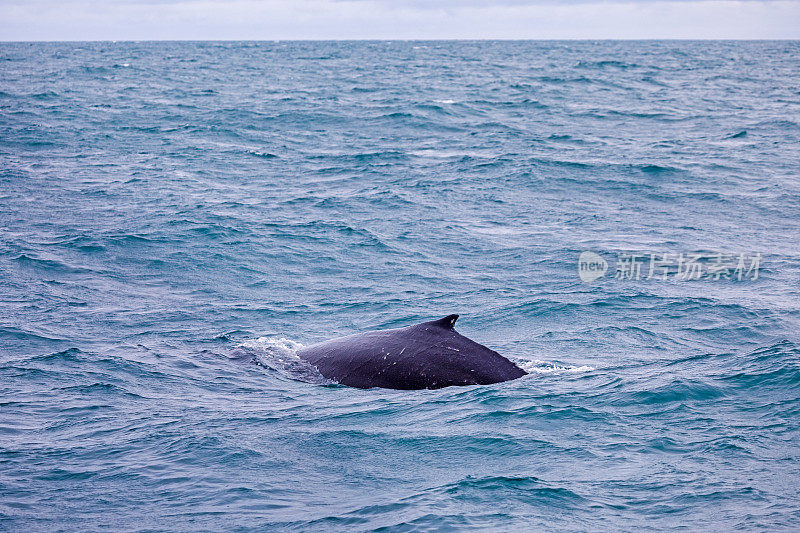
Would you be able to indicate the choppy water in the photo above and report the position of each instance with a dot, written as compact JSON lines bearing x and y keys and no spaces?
{"x":176,"y":218}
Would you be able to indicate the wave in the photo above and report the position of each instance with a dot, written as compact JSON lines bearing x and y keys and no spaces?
{"x":49,"y":264}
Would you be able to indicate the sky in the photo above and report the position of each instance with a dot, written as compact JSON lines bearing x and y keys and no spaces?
{"x":32,"y":20}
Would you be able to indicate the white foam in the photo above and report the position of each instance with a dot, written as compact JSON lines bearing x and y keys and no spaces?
{"x":546,"y":367}
{"x":272,"y":343}
{"x":280,"y":354}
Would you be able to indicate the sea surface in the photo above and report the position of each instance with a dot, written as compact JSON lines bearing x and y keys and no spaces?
{"x":177,"y":218}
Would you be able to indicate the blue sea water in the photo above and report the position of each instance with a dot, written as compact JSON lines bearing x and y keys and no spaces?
{"x":177,"y":218}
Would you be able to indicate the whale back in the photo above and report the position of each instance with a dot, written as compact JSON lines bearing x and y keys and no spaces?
{"x":429,"y":355}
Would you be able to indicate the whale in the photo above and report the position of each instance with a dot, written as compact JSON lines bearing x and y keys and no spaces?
{"x":430,"y":355}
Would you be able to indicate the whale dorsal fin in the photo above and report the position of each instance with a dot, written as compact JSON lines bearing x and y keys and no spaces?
{"x":447,"y":322}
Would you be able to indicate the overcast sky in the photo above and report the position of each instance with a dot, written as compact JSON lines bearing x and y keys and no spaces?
{"x":396,"y":19}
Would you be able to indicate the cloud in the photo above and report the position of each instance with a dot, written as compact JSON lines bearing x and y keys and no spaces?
{"x":390,"y":19}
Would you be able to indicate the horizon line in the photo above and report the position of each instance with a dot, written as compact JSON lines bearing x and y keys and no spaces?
{"x":532,"y":39}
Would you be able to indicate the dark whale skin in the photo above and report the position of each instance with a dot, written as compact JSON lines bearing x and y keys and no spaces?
{"x":430,"y":355}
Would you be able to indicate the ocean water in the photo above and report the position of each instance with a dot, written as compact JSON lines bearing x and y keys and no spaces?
{"x":177,"y":218}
